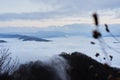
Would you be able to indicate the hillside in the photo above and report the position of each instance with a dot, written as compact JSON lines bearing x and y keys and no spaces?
{"x":23,"y":37}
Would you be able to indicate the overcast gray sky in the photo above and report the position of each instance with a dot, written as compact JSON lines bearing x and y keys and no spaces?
{"x":43,"y":13}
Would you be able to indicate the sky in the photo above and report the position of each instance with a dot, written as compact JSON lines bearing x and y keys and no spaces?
{"x":44,"y":13}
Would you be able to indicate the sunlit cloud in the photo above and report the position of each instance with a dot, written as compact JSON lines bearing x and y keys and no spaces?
{"x":59,"y":21}
{"x":41,"y":23}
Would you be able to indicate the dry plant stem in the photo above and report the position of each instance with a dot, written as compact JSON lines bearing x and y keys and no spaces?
{"x":95,"y":16}
{"x":107,"y":30}
{"x":110,"y":46}
{"x":104,"y":51}
{"x":102,"y":45}
{"x":114,"y":37}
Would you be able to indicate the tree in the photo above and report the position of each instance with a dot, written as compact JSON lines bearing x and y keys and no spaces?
{"x":7,"y":64}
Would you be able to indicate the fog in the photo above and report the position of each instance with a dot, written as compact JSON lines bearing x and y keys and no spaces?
{"x":27,"y":51}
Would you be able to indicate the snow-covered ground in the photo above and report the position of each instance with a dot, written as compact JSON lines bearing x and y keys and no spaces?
{"x":31,"y":50}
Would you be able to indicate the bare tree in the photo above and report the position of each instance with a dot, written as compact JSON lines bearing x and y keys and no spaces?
{"x":7,"y":64}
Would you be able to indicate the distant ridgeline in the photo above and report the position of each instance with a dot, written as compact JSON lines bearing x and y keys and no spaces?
{"x":3,"y":41}
{"x":23,"y":37}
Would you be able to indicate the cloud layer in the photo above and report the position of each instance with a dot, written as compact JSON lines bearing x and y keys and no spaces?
{"x":80,"y":5}
{"x":57,"y":9}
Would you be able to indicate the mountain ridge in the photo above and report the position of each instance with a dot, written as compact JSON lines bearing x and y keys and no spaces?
{"x":23,"y":37}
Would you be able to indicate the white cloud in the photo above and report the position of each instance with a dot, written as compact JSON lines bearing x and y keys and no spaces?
{"x":59,"y":21}
{"x":42,"y":23}
{"x":81,"y":5}
{"x":24,"y":6}
{"x":58,"y":12}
